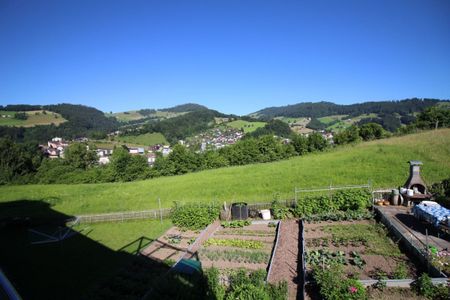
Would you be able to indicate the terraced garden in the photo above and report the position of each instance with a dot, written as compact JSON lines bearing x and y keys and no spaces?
{"x":249,"y":247}
{"x":363,"y":248}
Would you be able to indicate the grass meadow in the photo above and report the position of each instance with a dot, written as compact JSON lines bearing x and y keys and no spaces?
{"x":384,"y":162}
{"x":147,"y":139}
{"x":36,"y":117}
{"x":247,"y":126}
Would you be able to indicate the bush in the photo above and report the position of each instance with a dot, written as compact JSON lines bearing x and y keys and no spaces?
{"x":424,"y":286}
{"x":352,"y":199}
{"x":333,"y":285}
{"x":215,"y":290}
{"x":249,"y":286}
{"x":194,"y":216}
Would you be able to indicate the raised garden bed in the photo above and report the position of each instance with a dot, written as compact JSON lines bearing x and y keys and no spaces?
{"x":171,"y":245}
{"x":244,"y":246}
{"x":362,"y":247}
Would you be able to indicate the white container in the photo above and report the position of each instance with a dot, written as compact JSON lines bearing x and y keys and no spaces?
{"x":410,"y":193}
{"x":402,"y":190}
{"x":266,"y":214}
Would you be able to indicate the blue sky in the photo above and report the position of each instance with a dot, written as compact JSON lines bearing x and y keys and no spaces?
{"x":233,"y":56}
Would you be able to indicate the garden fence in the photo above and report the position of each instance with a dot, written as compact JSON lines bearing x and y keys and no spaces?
{"x":124,"y":216}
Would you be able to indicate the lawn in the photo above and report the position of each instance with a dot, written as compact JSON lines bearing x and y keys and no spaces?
{"x":123,"y":235}
{"x":147,"y":139}
{"x":34,"y":118}
{"x":384,"y":162}
{"x":71,"y":268}
{"x":247,"y":126}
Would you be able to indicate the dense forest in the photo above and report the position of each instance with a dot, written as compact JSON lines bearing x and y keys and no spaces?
{"x":322,"y":109}
{"x":82,"y":121}
{"x":188,"y":107}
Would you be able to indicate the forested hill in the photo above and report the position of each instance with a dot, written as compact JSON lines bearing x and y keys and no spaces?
{"x":322,"y":109}
{"x":82,"y":121}
{"x":185,"y":125}
{"x":188,"y":107}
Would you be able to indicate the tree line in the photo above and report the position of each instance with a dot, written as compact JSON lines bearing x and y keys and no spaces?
{"x":25,"y":163}
{"x":323,"y":109}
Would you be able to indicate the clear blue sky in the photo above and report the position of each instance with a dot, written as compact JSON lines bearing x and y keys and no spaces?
{"x":236,"y":56}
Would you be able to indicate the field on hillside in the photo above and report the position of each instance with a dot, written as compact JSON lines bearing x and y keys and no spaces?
{"x":133,"y":115}
{"x":383,"y":161}
{"x":345,"y":122}
{"x":36,"y":117}
{"x":147,"y":139}
{"x":126,"y":116}
{"x":247,"y":126}
{"x":329,"y":119}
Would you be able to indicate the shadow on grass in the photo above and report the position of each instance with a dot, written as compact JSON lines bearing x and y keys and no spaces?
{"x":45,"y":259}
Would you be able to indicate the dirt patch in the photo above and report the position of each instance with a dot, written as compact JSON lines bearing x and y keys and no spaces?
{"x":285,"y":262}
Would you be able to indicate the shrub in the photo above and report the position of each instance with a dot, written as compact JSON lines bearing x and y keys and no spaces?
{"x":333,"y":285}
{"x":400,"y":271}
{"x":279,"y":211}
{"x":215,"y":290}
{"x":352,"y":199}
{"x":194,"y":216}
{"x":424,"y":286}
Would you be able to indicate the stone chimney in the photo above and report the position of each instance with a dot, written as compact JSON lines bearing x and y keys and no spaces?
{"x":414,"y":180}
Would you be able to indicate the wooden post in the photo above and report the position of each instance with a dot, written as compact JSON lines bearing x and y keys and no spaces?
{"x":160,"y":213}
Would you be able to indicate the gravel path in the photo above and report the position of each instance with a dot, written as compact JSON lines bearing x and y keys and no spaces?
{"x":285,"y":262}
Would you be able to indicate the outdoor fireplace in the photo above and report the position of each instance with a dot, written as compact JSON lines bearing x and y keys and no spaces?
{"x":415,"y":189}
{"x":414,"y":181}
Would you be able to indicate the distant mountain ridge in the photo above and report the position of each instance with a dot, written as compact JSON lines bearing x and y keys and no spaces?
{"x":187,"y":107}
{"x":322,"y":109}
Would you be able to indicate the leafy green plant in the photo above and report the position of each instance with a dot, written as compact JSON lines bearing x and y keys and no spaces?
{"x":250,"y":285}
{"x":334,"y":285}
{"x":357,"y":260}
{"x":279,"y":211}
{"x":247,"y":244}
{"x":194,"y":216}
{"x":400,"y":271}
{"x":324,"y":258}
{"x":174,"y":239}
{"x":241,"y":256}
{"x":424,"y":286}
{"x":215,"y":290}
{"x":236,"y":224}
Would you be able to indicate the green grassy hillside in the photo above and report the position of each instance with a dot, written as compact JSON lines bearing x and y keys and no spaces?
{"x":36,"y":117}
{"x":383,"y":161}
{"x":147,"y":139}
{"x":247,"y":126}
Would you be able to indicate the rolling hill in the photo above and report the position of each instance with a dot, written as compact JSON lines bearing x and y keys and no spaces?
{"x":382,"y":161}
{"x":323,"y":109}
{"x":34,"y":118}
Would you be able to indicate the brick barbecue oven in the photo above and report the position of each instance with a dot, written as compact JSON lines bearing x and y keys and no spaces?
{"x":416,"y":183}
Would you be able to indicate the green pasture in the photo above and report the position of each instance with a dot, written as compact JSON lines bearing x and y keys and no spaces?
{"x":34,"y":118}
{"x":126,"y":116}
{"x":147,"y":139}
{"x":247,"y":126}
{"x":345,"y":122}
{"x":384,"y":162}
{"x":329,"y":119}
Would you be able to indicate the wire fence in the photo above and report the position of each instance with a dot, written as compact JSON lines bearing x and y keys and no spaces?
{"x":164,"y":213}
{"x":155,"y":214}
